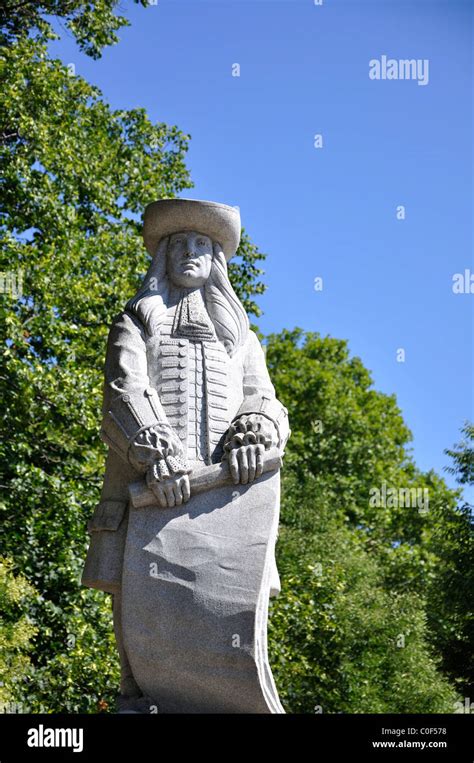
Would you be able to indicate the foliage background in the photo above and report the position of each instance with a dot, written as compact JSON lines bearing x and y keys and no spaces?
{"x":374,"y":610}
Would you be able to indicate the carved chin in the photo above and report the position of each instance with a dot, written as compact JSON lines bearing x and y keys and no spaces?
{"x":190,"y":277}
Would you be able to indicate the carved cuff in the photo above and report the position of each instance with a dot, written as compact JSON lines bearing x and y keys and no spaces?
{"x":164,"y":468}
{"x":251,"y":429}
{"x":154,"y":444}
{"x":271,"y":409}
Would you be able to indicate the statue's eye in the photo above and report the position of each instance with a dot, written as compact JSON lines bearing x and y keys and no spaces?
{"x":178,"y":241}
{"x":201,"y":242}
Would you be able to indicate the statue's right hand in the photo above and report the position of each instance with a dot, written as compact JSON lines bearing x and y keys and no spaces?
{"x":173,"y":491}
{"x":169,"y":481}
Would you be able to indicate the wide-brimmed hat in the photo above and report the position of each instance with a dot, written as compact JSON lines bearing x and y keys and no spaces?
{"x":218,"y":221}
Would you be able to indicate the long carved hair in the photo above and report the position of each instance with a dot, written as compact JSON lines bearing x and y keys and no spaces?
{"x":226,"y":312}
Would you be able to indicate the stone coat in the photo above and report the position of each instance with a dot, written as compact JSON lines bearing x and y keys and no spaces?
{"x":194,"y":386}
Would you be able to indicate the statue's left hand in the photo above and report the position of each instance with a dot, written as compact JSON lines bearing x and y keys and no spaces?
{"x":248,"y":438}
{"x":246,"y":463}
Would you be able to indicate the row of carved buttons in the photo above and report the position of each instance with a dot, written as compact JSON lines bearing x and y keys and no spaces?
{"x":170,"y":412}
{"x":174,"y":362}
{"x":164,"y":387}
{"x":167,"y":399}
{"x":172,"y":351}
{"x":171,"y":373}
{"x":177,"y":422}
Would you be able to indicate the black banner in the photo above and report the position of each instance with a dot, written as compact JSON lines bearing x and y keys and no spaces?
{"x":100,"y":737}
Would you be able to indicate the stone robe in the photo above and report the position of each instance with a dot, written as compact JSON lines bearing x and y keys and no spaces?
{"x":197,"y":388}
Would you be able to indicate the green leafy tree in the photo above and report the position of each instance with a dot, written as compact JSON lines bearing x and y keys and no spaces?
{"x":373,"y":609}
{"x":75,"y":177}
{"x":463,"y":456}
{"x":351,"y":630}
{"x":451,"y":610}
{"x":17,"y":599}
{"x":94,"y":24}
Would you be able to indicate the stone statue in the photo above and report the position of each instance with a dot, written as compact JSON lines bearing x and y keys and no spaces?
{"x":184,"y":534}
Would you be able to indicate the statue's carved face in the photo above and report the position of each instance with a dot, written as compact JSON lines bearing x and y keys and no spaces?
{"x":189,"y":259}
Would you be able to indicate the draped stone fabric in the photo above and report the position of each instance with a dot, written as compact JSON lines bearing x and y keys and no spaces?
{"x":196,"y":585}
{"x":191,"y":318}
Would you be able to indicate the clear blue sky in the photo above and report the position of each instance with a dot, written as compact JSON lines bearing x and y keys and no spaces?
{"x":330,"y":212}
